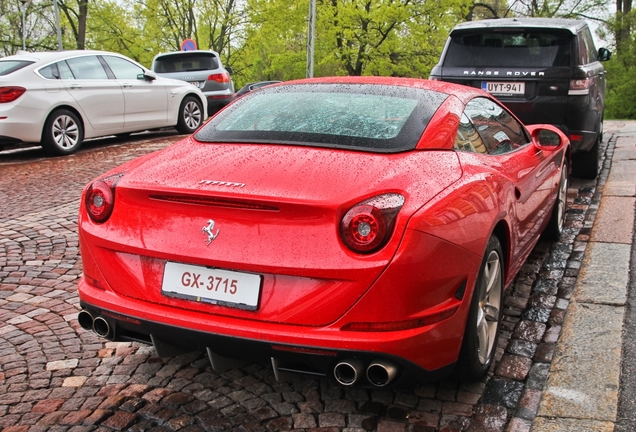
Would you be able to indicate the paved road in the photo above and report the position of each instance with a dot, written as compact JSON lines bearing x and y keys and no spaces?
{"x":56,"y":376}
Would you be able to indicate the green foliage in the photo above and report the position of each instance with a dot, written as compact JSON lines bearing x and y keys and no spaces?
{"x":267,"y":39}
{"x":620,"y":101}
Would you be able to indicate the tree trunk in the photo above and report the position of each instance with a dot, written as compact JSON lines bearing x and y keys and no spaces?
{"x":81,"y":24}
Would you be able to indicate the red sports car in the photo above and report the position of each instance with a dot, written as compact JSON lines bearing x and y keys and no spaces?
{"x":360,"y":228}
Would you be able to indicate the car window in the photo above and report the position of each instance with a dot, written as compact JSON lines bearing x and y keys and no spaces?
{"x":540,"y":48}
{"x":87,"y":67}
{"x":10,"y":66}
{"x":372,"y":117}
{"x":467,"y":138}
{"x":500,"y":131}
{"x":122,"y":68}
{"x":587,"y":48}
{"x":186,"y":62}
{"x":50,"y":71}
{"x":59,"y":70}
{"x":64,"y":70}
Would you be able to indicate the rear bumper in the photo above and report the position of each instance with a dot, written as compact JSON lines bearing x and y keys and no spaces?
{"x":576,"y":118}
{"x":216,"y":102}
{"x":317,"y":360}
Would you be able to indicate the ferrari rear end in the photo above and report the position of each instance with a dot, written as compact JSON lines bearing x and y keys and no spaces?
{"x":301,"y":242}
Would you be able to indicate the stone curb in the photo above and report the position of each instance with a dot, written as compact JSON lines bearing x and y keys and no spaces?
{"x":584,"y":379}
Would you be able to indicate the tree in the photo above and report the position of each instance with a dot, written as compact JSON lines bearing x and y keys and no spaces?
{"x":373,"y":32}
{"x":76,"y":13}
{"x":595,"y":10}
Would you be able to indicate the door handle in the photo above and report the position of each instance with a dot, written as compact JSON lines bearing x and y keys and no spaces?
{"x":76,"y":86}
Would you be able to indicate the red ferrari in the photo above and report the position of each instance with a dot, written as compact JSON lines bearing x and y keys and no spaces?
{"x":359,"y":228}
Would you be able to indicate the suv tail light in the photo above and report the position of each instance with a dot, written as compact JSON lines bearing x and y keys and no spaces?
{"x":222,"y":77}
{"x":10,"y":93}
{"x":580,"y":87}
{"x":100,"y":198}
{"x":368,"y":225}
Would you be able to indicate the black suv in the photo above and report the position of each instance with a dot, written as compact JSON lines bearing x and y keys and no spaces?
{"x":545,"y":70}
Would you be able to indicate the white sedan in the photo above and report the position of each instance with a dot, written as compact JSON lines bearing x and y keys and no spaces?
{"x":58,"y":99}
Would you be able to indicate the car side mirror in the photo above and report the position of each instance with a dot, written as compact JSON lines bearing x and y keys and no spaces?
{"x":546,"y":138}
{"x":604,"y":54}
{"x":147,"y":75}
{"x":229,"y":70}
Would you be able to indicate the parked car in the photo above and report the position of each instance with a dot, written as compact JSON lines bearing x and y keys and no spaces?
{"x":203,"y":69}
{"x":544,"y":70}
{"x":58,"y":99}
{"x":360,"y":228}
{"x":253,"y":86}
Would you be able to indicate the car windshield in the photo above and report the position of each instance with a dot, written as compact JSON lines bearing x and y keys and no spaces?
{"x":186,"y":62}
{"x":9,"y":66}
{"x":375,"y":118}
{"x":509,"y":49}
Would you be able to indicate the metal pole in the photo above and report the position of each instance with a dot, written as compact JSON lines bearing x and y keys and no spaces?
{"x":57,"y":24}
{"x":310,"y":38}
{"x":23,"y":24}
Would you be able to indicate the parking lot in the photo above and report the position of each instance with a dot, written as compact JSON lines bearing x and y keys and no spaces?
{"x":56,"y":376}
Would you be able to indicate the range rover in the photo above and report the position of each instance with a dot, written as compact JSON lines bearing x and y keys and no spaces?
{"x":545,"y":70}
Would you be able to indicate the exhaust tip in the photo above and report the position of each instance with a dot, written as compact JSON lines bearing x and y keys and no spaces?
{"x":348,"y":371}
{"x":103,"y":328}
{"x":381,"y":372}
{"x":85,"y":320}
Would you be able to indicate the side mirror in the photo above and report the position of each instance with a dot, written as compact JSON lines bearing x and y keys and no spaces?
{"x":147,"y":75}
{"x":546,"y":137}
{"x":229,"y":70}
{"x":604,"y":54}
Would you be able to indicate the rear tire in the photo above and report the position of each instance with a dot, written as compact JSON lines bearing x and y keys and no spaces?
{"x":557,"y":221}
{"x":482,"y":328}
{"x":63,"y":133}
{"x":190,"y":115}
{"x":585,"y":164}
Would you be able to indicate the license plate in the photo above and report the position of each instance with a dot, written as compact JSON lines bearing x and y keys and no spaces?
{"x":195,"y":83}
{"x":210,"y":285}
{"x":504,"y":88}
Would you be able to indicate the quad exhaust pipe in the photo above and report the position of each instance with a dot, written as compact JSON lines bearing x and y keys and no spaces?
{"x":348,"y":371}
{"x":85,"y":319}
{"x":98,"y":324}
{"x":379,"y":372}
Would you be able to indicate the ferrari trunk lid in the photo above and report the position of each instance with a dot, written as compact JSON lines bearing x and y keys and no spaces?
{"x":265,"y":211}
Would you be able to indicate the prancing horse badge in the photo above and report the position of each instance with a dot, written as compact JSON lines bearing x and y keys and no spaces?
{"x":209,"y":231}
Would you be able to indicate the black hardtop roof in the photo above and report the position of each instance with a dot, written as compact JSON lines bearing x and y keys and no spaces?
{"x":571,"y":25}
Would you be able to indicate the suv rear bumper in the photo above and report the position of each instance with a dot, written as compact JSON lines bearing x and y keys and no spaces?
{"x":216,"y":102}
{"x":574,"y":118}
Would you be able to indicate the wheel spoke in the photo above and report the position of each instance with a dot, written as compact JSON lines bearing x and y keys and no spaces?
{"x":483,"y":338}
{"x":489,"y":307}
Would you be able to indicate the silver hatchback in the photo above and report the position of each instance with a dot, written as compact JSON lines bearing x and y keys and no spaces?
{"x":202,"y":69}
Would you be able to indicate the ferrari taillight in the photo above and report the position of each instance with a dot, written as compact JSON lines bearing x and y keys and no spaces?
{"x":223,"y":77}
{"x":100,"y":198}
{"x":367,"y":226}
{"x":10,"y":93}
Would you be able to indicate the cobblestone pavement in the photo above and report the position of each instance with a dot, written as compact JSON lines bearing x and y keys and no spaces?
{"x":55,"y":376}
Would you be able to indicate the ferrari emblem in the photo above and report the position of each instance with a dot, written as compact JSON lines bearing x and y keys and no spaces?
{"x":209,"y":230}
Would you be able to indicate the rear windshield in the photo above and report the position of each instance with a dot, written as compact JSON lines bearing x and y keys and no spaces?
{"x":9,"y":66}
{"x":509,"y":49}
{"x":185,"y":63}
{"x":375,"y":118}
